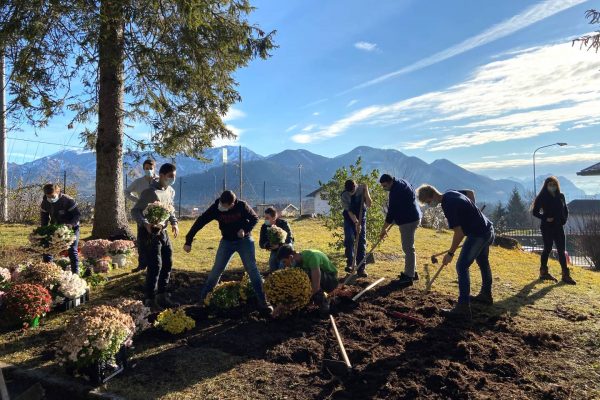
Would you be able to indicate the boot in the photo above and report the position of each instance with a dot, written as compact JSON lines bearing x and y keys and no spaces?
{"x":483,"y":298}
{"x":566,"y":277}
{"x":349,"y":269}
{"x":459,"y":311}
{"x":362,"y":273}
{"x":152,"y":304}
{"x":405,"y":281}
{"x":164,"y":300}
{"x":545,"y":275}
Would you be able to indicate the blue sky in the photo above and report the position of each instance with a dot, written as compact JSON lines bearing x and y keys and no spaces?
{"x":480,"y":83}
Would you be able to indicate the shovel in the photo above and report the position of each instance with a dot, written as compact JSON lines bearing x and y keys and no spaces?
{"x":334,"y":367}
{"x":434,"y":257}
{"x":369,"y":259}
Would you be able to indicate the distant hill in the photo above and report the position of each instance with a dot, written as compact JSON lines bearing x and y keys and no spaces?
{"x":277,"y":174}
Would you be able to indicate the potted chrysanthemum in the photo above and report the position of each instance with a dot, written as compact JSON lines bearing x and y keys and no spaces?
{"x":27,"y":303}
{"x":119,"y":250}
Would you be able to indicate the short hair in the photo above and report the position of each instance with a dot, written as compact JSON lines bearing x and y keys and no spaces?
{"x":271,"y":211}
{"x":349,"y":185}
{"x":227,"y":197}
{"x":167,"y":168}
{"x":284,"y":252}
{"x":150,"y":162}
{"x":426,"y":192}
{"x":385,"y":178}
{"x":50,"y":188}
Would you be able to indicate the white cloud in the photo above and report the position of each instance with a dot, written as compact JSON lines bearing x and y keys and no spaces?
{"x":302,"y":138}
{"x":417,"y":145}
{"x":291,"y":128}
{"x":316,"y":113}
{"x":314,"y":103}
{"x":351,"y":103}
{"x":233,"y":113}
{"x":219,"y":142}
{"x":507,"y":27}
{"x":539,"y":90}
{"x":365,"y":46}
{"x":552,"y":159}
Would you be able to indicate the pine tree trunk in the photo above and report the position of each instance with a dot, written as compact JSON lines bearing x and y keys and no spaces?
{"x":110,"y":219}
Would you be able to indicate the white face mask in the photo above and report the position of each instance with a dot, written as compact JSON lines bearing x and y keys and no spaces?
{"x":52,"y":199}
{"x":149,"y":172}
{"x":433,"y":203}
{"x":222,"y":208}
{"x":170,"y":181}
{"x":267,"y":222}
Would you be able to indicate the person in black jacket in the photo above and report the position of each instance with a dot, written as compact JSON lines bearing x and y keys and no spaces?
{"x":236,"y":221}
{"x":58,"y":208}
{"x":551,"y":207}
{"x":403,"y":211}
{"x":271,"y":219}
{"x":355,"y":201}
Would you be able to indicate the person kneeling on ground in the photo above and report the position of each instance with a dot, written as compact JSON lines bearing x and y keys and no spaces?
{"x":466,"y":220}
{"x":271,"y":219}
{"x":321,"y":271}
{"x":236,"y":221}
{"x":157,"y":245}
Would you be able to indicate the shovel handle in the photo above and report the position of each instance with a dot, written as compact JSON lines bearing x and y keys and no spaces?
{"x":371,"y":286}
{"x":444,"y":252}
{"x":437,"y":273}
{"x":340,"y":342}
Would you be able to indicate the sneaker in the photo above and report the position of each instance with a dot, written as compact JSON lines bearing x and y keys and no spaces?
{"x":165,"y":301}
{"x":362,"y":273}
{"x":546,"y":276}
{"x":266,"y":311}
{"x":566,"y":278}
{"x":459,"y":311}
{"x":405,"y":281}
{"x":349,"y":269}
{"x":138,"y":269}
{"x":152,"y":305}
{"x":416,"y":277}
{"x":483,"y":298}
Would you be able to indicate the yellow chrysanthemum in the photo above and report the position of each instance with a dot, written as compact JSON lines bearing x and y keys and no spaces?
{"x":225,"y":295}
{"x":246,"y":289}
{"x":174,"y":321}
{"x":289,"y":287}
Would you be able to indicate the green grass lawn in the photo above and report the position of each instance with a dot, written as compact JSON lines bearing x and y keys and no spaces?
{"x":536,"y":306}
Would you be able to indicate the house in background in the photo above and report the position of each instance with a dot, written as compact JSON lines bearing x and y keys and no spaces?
{"x":581,"y":214}
{"x":314,"y":204}
{"x":260,"y":209}
{"x":290,"y":211}
{"x":594,"y":170}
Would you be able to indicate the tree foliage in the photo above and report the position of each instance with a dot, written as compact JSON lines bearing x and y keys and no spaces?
{"x":591,"y":42}
{"x":179,"y":59}
{"x":517,"y":214}
{"x":332,"y":190}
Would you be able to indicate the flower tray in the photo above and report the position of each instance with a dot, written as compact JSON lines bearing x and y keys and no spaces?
{"x":101,"y":372}
{"x":69,"y":304}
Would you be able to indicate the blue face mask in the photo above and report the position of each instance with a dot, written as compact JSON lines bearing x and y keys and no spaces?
{"x":170,"y":181}
{"x":267,"y":222}
{"x":52,"y":199}
{"x":149,"y":172}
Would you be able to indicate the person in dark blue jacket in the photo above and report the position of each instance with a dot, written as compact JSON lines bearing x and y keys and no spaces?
{"x":58,"y":208}
{"x":355,"y":201}
{"x":403,"y":211}
{"x":467,"y":221}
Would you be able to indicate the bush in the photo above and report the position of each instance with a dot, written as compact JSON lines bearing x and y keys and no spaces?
{"x":433,"y":218}
{"x":224,"y":296}
{"x":587,"y":241}
{"x":289,"y":288}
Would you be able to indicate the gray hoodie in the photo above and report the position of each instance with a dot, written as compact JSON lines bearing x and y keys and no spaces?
{"x":154,"y":193}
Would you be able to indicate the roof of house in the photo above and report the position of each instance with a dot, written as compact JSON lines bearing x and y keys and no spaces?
{"x":584,"y":207}
{"x":290,"y":206}
{"x":314,"y":193}
{"x":593,"y":170}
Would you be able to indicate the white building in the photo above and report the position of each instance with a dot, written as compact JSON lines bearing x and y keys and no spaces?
{"x":314,"y":204}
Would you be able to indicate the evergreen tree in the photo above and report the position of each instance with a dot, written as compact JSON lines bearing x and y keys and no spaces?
{"x":498,"y":217}
{"x":517,"y":215}
{"x":164,"y":63}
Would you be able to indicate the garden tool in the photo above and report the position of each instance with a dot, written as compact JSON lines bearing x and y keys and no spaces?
{"x":361,"y":215}
{"x":334,"y":367}
{"x":371,"y":286}
{"x":434,"y":257}
{"x":365,"y":260}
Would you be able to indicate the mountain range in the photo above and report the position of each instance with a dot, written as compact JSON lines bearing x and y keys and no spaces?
{"x":275,"y":176}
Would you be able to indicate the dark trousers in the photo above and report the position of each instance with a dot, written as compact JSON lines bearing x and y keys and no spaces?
{"x":73,"y":253}
{"x":142,"y":264}
{"x":350,"y":237}
{"x":329,"y":281}
{"x":159,"y":256}
{"x":553,"y":234}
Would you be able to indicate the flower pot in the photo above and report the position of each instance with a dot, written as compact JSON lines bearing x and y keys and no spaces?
{"x":101,"y":372}
{"x":119,"y":260}
{"x":68,"y":304}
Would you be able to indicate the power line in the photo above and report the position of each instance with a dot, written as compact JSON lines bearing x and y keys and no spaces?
{"x":42,"y":142}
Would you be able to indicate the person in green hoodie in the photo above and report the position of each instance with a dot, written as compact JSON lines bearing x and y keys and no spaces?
{"x":321,"y":271}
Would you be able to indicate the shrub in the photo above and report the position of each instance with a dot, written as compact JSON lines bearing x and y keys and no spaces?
{"x":289,"y":287}
{"x":174,"y":321}
{"x":224,"y":296}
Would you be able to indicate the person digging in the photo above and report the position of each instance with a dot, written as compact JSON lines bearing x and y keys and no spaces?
{"x":467,"y":221}
{"x":320,"y":270}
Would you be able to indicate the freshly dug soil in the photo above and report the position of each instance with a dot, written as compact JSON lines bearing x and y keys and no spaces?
{"x":488,"y":357}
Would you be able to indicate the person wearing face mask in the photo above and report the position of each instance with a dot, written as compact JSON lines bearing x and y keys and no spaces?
{"x":236,"y":221}
{"x":132,"y":193}
{"x":403,"y":211}
{"x":320,"y":270}
{"x":467,"y":221}
{"x":58,"y":208}
{"x":157,"y":246}
{"x":355,"y":201}
{"x":271,"y":219}
{"x":550,"y":207}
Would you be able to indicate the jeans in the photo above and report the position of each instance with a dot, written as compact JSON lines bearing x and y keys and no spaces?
{"x":159,"y":255}
{"x":476,"y":248}
{"x":142,"y":264}
{"x":350,"y":237}
{"x":407,"y":237}
{"x":274,"y":264}
{"x":245,"y":248}
{"x":553,"y":233}
{"x":73,"y":253}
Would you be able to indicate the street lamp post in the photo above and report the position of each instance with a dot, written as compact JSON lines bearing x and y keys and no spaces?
{"x":300,"y":187}
{"x":542,"y":147}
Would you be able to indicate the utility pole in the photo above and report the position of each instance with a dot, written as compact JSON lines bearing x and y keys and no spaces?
{"x":300,"y":187}
{"x":241,"y":176}
{"x":224,"y":168}
{"x":180,"y":195}
{"x":65,"y":182}
{"x":264,"y":192}
{"x":3,"y":161}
